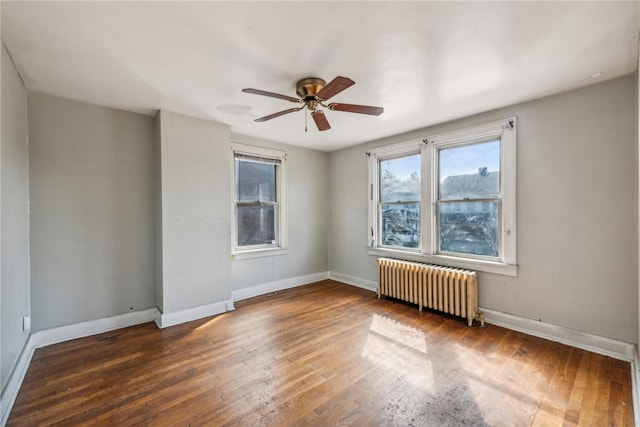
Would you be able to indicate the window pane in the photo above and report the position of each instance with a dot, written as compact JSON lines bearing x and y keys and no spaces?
{"x":400,"y":179}
{"x":469,"y":227}
{"x":471,"y":171}
{"x":255,"y":181}
{"x":256,"y":225}
{"x":401,"y":225}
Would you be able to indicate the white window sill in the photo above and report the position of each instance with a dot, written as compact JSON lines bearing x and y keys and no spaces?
{"x":448,"y":261}
{"x":257,"y":253}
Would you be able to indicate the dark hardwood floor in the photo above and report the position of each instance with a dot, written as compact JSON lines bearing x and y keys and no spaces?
{"x":323,"y":354}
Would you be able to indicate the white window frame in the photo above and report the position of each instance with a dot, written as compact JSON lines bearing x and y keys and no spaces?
{"x":505,"y":263}
{"x":281,"y":245}
{"x":380,"y":154}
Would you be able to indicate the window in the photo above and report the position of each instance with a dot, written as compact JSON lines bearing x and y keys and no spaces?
{"x":259,"y":214}
{"x":448,"y":198}
{"x":399,"y":207}
{"x":468,"y":199}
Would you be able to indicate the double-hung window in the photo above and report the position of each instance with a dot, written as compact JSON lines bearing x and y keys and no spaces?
{"x":259,"y":214}
{"x":467,"y":202}
{"x":399,"y":195}
{"x":448,"y":198}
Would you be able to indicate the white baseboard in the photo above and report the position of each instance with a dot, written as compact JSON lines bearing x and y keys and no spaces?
{"x":164,"y":320}
{"x":10,"y":391}
{"x":91,"y":327}
{"x":584,"y":340}
{"x":354,"y":281}
{"x":635,"y":382}
{"x":278,"y":285}
{"x":55,"y":335}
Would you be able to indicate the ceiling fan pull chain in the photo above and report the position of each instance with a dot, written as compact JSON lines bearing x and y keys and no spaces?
{"x":306,"y":113}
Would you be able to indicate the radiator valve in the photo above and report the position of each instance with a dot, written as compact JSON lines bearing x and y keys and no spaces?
{"x":480,"y":318}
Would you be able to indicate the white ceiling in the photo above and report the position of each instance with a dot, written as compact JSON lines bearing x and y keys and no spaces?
{"x":424,"y":62}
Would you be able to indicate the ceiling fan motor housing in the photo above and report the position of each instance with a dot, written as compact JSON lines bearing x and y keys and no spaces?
{"x":307,"y":90}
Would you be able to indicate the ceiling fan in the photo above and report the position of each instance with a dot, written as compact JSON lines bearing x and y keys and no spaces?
{"x":313,"y":92}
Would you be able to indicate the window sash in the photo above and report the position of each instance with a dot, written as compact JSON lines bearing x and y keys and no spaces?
{"x":439,"y":231}
{"x":261,"y":225}
{"x":256,"y":203}
{"x":495,"y":192}
{"x":410,"y":240}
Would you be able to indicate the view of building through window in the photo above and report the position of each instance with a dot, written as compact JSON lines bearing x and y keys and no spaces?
{"x":256,"y":202}
{"x":468,"y":205}
{"x":400,"y":201}
{"x":448,"y":198}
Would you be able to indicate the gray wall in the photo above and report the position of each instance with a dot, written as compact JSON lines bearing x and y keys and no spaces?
{"x":195,"y":190}
{"x":307,"y":197}
{"x":158,"y":215}
{"x":92,"y":211}
{"x":576,"y":207}
{"x":130,"y":211}
{"x":14,"y":256}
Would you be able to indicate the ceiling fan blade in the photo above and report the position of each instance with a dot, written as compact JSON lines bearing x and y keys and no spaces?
{"x":334,"y":87}
{"x":278,"y":114}
{"x":352,"y":108}
{"x":271,"y":94}
{"x":321,"y":120}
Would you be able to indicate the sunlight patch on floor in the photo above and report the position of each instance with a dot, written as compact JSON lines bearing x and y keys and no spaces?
{"x":399,"y":332}
{"x":211,"y":322}
{"x":400,"y":349}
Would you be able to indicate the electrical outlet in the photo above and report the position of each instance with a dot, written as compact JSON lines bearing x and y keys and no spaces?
{"x":26,"y":322}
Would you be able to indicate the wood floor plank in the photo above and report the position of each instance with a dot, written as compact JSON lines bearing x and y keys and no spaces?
{"x":322,"y":354}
